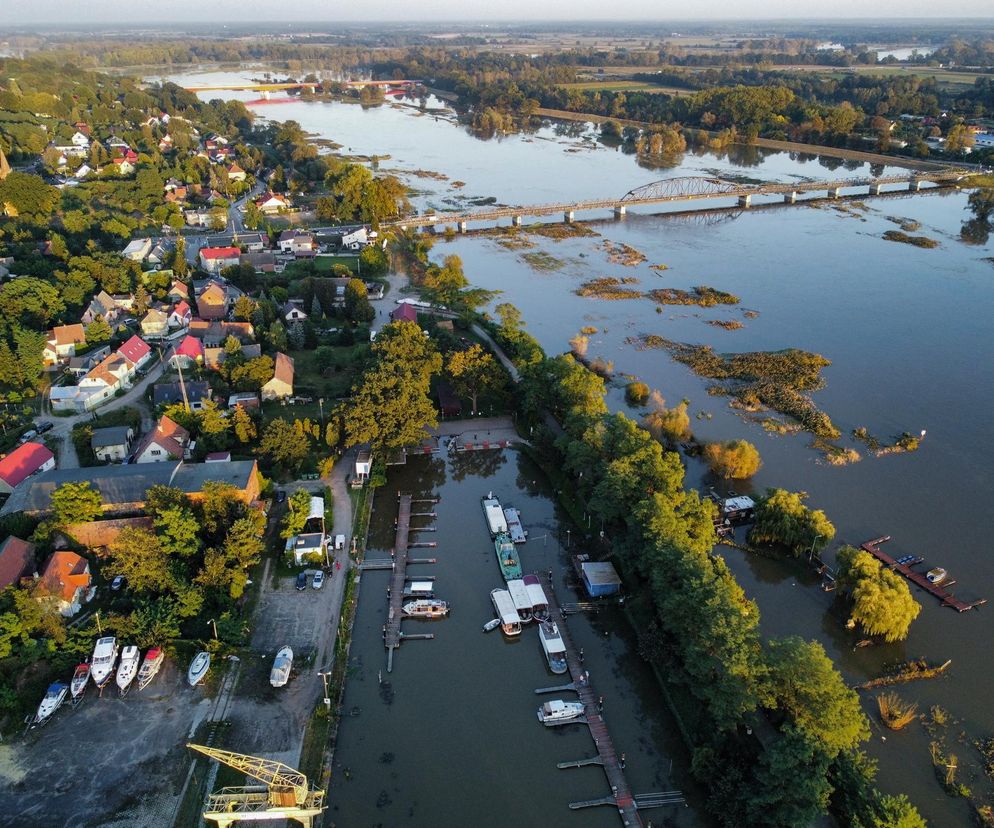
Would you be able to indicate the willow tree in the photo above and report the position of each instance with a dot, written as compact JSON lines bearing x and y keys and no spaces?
{"x":782,"y":519}
{"x":882,"y":604}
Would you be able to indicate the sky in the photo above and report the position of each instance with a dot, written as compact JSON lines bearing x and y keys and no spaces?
{"x":133,"y":12}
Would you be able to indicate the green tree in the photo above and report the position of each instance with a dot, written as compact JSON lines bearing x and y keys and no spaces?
{"x":959,"y":138}
{"x":357,"y":306}
{"x":154,"y":621}
{"x":733,"y":459}
{"x":882,"y":604}
{"x":445,"y":283}
{"x":244,"y":425}
{"x":180,"y":266}
{"x":219,"y":506}
{"x":796,"y":757}
{"x":138,"y":555}
{"x":244,"y":308}
{"x":75,"y":503}
{"x":857,"y":803}
{"x":783,"y":519}
{"x":214,"y":425}
{"x":276,"y":336}
{"x":298,"y":507}
{"x":98,"y":331}
{"x":281,"y":443}
{"x":30,"y":301}
{"x":28,"y":195}
{"x":473,"y":371}
{"x":177,"y":527}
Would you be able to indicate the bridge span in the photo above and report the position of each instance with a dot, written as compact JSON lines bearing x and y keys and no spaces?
{"x":693,"y":188}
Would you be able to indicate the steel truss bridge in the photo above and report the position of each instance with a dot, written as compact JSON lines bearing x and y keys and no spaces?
{"x":696,"y":188}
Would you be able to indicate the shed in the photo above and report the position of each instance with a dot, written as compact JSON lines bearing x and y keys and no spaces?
{"x":600,"y":578}
{"x":363,"y":464}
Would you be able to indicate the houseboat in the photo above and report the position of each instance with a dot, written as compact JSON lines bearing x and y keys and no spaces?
{"x":557,"y":712}
{"x":494,"y":515}
{"x":54,"y":696}
{"x":507,"y":557}
{"x":282,"y":664}
{"x":522,"y":601}
{"x":426,"y":608}
{"x":102,"y":663}
{"x":514,"y":528}
{"x":540,"y":603}
{"x":510,"y":623}
{"x":150,"y":667}
{"x":553,"y":647}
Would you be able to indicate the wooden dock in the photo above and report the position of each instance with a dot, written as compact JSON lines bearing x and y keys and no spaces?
{"x":621,"y":794}
{"x":917,"y":578}
{"x":392,"y":633}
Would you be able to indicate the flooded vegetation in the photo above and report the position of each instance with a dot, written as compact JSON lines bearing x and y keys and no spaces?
{"x":610,"y":287}
{"x":904,"y":238}
{"x":700,"y":295}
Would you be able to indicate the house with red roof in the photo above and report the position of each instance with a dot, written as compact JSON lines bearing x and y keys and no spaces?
{"x":61,"y":342}
{"x":167,"y":441}
{"x":271,"y":203}
{"x":178,"y":291}
{"x":404,"y":313}
{"x":22,"y":462}
{"x":216,"y":259}
{"x":17,"y":560}
{"x":181,"y":315}
{"x":65,"y":582}
{"x":281,"y":385}
{"x":236,"y":173}
{"x":137,"y":350}
{"x":190,"y":352}
{"x":123,"y":166}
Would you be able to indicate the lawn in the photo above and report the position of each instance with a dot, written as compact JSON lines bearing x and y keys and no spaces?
{"x":320,"y":265}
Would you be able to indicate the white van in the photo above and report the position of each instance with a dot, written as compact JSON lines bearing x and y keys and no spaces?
{"x":339,"y":542}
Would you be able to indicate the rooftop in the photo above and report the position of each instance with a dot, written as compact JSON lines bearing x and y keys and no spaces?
{"x":110,"y":436}
{"x":23,"y":461}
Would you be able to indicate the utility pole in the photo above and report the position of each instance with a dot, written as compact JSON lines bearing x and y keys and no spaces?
{"x":182,"y":385}
{"x":324,"y":677}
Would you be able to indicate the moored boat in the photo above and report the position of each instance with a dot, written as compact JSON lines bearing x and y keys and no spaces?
{"x":494,"y":515}
{"x":419,"y":589}
{"x":522,"y":603}
{"x":426,"y":608}
{"x":102,"y":663}
{"x":507,"y":557}
{"x":198,"y":668}
{"x":540,"y":603}
{"x":79,"y":680}
{"x":282,"y":664}
{"x":150,"y":667}
{"x":510,"y":623}
{"x":553,"y":647}
{"x":557,"y":712}
{"x":491,"y":625}
{"x":128,"y":668}
{"x":54,"y":696}
{"x":936,"y":575}
{"x":514,"y":528}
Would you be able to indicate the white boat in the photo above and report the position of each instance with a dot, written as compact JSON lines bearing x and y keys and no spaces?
{"x":280,"y":674}
{"x":54,"y":696}
{"x":131,"y":658}
{"x":540,"y":603}
{"x":426,"y":608}
{"x":553,"y":646}
{"x":519,"y":596}
{"x":491,"y":625}
{"x":198,"y":668}
{"x":150,"y":667}
{"x":80,"y":678}
{"x":937,"y":575}
{"x":102,"y":663}
{"x":510,"y":622}
{"x":557,"y":711}
{"x":514,"y":528}
{"x":494,"y":514}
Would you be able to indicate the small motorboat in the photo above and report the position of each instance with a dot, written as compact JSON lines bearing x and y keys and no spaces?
{"x":150,"y":667}
{"x":491,"y":625}
{"x":78,"y":684}
{"x":936,"y":575}
{"x":280,"y":674}
{"x":426,"y":608}
{"x":54,"y":696}
{"x":128,"y":668}
{"x":557,"y":712}
{"x":198,"y":668}
{"x":102,"y":663}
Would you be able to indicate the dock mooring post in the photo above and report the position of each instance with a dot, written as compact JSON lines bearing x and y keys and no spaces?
{"x":515,"y":221}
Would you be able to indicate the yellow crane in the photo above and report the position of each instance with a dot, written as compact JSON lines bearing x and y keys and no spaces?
{"x":285,"y":793}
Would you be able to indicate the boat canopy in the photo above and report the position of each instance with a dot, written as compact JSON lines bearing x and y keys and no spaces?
{"x":420,"y":588}
{"x":536,"y":594}
{"x":519,"y":596}
{"x":514,"y":527}
{"x":495,"y":515}
{"x":505,"y":607}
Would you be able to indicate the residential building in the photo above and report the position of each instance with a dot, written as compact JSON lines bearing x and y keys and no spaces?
{"x":136,"y":351}
{"x":214,"y":357}
{"x":218,"y":457}
{"x":123,"y":166}
{"x":363,"y":464}
{"x":104,"y":306}
{"x":65,"y":582}
{"x":112,"y":444}
{"x":298,"y":242}
{"x":167,"y":393}
{"x":293,"y":312}
{"x":60,"y":346}
{"x":190,"y":352}
{"x":167,"y":441}
{"x":122,"y":487}
{"x":251,"y":242}
{"x":236,"y":173}
{"x":155,"y":324}
{"x":137,"y":250}
{"x":178,"y":291}
{"x":212,"y":303}
{"x":271,"y":203}
{"x":281,"y":385}
{"x":262,"y":262}
{"x":404,"y":313}
{"x":181,"y":315}
{"x":216,"y":259}
{"x":197,"y":218}
{"x":17,"y":560}
{"x":355,"y":239}
{"x":213,"y":334}
{"x":248,"y":400}
{"x":162,"y":250}
{"x":27,"y":459}
{"x":80,"y":366}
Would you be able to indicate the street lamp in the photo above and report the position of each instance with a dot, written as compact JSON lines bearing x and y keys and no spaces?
{"x":324,"y":677}
{"x":213,"y":623}
{"x":321,"y":406}
{"x":567,"y":538}
{"x":811,"y":551}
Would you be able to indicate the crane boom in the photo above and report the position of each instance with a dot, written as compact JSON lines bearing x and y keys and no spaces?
{"x":279,"y":777}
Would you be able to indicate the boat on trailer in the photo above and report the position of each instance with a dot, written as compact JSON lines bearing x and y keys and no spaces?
{"x":198,"y":668}
{"x":80,"y":678}
{"x":514,"y":527}
{"x":150,"y":667}
{"x":282,"y":664}
{"x":510,"y":622}
{"x":507,"y":557}
{"x":540,"y":602}
{"x":553,"y":647}
{"x":128,"y":668}
{"x":102,"y":663}
{"x":496,"y":521}
{"x":521,"y":599}
{"x":54,"y":696}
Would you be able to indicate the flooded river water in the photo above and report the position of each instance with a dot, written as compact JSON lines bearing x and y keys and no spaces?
{"x":908,"y":331}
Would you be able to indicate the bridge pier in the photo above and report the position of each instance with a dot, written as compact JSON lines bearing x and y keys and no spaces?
{"x":568,"y":217}
{"x":834,"y":192}
{"x":790,"y":198}
{"x":462,"y":227}
{"x":876,"y":189}
{"x":745,"y":201}
{"x":619,"y":211}
{"x":515,"y":221}
{"x":915,"y":184}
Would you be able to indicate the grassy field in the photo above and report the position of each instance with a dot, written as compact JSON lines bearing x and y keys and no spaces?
{"x":943,"y":76}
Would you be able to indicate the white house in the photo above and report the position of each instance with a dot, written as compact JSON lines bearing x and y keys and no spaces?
{"x":80,"y":140}
{"x":137,"y":250}
{"x":112,"y":444}
{"x":292,"y":312}
{"x":363,"y":464}
{"x":355,"y":240}
{"x":167,"y":441}
{"x":297,"y":242}
{"x":216,"y":259}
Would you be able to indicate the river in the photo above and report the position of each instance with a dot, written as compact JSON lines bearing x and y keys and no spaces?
{"x":907,"y":330}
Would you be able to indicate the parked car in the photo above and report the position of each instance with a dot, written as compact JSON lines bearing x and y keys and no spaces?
{"x":339,"y":542}
{"x":28,"y":435}
{"x":44,"y":426}
{"x":302,"y":581}
{"x":318,"y":580}
{"x":280,"y":496}
{"x":117,"y":583}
